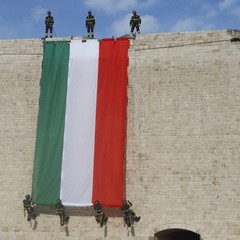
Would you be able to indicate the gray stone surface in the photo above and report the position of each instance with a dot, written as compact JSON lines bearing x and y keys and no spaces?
{"x":183,"y":140}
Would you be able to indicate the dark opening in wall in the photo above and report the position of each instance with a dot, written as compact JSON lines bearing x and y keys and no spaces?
{"x":176,"y":234}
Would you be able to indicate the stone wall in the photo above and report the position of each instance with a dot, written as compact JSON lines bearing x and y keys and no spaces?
{"x":183,"y":140}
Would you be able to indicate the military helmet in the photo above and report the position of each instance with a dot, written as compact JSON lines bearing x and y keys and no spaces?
{"x":27,"y":196}
{"x":96,"y":202}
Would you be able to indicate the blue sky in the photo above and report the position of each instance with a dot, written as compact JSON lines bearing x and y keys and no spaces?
{"x":23,"y":19}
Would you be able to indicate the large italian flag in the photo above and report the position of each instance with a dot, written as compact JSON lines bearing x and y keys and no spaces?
{"x":80,"y":145}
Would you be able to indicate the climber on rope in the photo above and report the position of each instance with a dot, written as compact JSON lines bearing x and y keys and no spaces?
{"x":28,"y":207}
{"x":99,"y":213}
{"x":129,"y":214}
{"x":60,"y":210}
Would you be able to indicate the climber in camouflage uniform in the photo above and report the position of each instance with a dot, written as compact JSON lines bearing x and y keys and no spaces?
{"x":28,"y":207}
{"x":60,"y":210}
{"x":129,"y":214}
{"x":99,"y":213}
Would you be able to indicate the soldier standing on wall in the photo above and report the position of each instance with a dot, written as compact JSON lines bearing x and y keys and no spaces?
{"x":90,"y":24}
{"x":129,"y":214}
{"x":135,"y":22}
{"x":28,"y":206}
{"x":99,"y":213}
{"x":49,"y":21}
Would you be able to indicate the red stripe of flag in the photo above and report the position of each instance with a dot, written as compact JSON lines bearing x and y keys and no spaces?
{"x":109,"y":153}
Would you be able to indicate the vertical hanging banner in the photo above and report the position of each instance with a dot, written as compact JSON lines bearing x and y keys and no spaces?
{"x":80,"y":145}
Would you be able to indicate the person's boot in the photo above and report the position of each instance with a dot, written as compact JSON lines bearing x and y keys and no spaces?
{"x":127,"y":221}
{"x":66,"y":219}
{"x":105,"y":219}
{"x":137,"y":219}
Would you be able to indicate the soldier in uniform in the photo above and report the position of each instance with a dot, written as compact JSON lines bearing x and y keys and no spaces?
{"x":135,"y":22}
{"x":90,"y":24}
{"x":99,"y":213}
{"x":60,"y":211}
{"x":128,"y":212}
{"x":28,"y":207}
{"x":49,"y":21}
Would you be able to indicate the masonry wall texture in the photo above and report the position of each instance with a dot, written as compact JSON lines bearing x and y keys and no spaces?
{"x":183,"y":140}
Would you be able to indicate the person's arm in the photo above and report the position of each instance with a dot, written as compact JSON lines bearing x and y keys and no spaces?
{"x":130,"y":23}
{"x":129,"y":203}
{"x":139,"y":21}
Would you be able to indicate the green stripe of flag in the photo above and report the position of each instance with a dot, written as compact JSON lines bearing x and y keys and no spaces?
{"x":51,"y":119}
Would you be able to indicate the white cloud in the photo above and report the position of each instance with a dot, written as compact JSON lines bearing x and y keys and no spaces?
{"x":190,"y":24}
{"x":150,"y":24}
{"x":236,"y":11}
{"x":208,"y":27}
{"x":7,"y":31}
{"x":112,"y":6}
{"x":226,"y":4}
{"x":38,"y":14}
{"x":209,"y":11}
{"x":121,"y":26}
{"x":223,"y":6}
{"x":212,"y":13}
{"x":147,"y":3}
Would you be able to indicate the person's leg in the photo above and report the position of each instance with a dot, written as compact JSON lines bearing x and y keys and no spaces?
{"x":132,"y":29}
{"x":138,"y":30}
{"x":105,"y":218}
{"x":88,"y":31}
{"x":133,"y":214}
{"x":46,"y":31}
{"x":92,"y":32}
{"x":97,"y":218}
{"x":51,"y":29}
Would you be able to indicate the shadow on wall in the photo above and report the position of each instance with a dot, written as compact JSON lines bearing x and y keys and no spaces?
{"x":111,"y":212}
{"x":176,"y":234}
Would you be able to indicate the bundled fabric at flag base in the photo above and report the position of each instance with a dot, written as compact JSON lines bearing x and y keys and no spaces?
{"x":80,"y":145}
